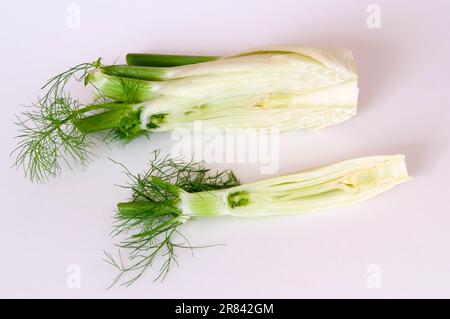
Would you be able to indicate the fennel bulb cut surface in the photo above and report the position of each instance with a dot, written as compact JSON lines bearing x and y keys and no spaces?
{"x":333,"y":186}
{"x":172,"y":192}
{"x":284,"y":87}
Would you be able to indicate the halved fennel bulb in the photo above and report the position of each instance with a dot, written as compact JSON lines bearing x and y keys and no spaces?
{"x":328,"y":187}
{"x":279,"y":87}
{"x":171,"y":193}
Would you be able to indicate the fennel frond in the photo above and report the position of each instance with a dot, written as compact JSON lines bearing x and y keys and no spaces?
{"x":150,"y":221}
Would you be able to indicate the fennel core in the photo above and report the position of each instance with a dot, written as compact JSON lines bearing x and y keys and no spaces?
{"x":171,"y":193}
{"x":281,"y":87}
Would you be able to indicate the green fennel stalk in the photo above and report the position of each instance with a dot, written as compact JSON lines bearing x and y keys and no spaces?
{"x":164,"y":60}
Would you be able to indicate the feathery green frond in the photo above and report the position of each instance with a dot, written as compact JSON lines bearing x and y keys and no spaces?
{"x":150,"y":221}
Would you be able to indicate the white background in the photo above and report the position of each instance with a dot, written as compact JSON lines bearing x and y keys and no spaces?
{"x":404,"y":108}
